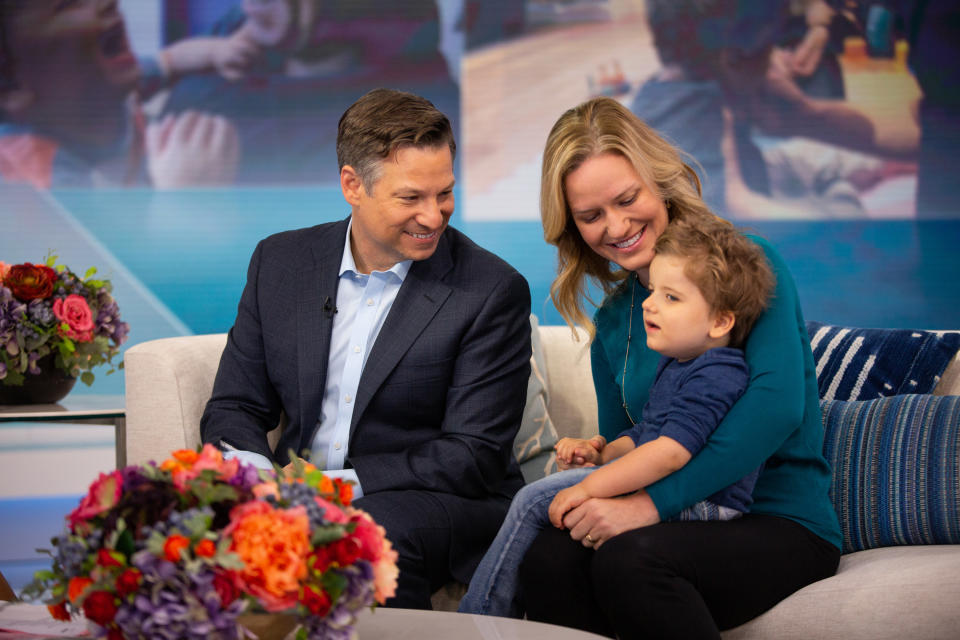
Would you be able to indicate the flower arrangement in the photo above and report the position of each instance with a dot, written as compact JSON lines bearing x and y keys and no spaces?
{"x":47,"y":310}
{"x":187,"y":548}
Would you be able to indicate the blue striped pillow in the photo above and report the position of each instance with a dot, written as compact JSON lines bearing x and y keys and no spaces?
{"x":861,"y":364}
{"x":896,"y":469}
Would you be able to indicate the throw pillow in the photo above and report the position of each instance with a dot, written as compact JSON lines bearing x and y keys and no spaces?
{"x":896,"y":471}
{"x":533,"y":446}
{"x":862,"y":364}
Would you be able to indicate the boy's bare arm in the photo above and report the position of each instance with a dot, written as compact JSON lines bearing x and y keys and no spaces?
{"x":638,"y":468}
{"x":631,"y":471}
{"x":616,"y":449}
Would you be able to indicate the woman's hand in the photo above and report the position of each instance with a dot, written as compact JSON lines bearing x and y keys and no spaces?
{"x":599,"y":519}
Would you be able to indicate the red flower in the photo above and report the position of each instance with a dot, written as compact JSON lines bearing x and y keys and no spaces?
{"x":224,"y":582}
{"x":101,"y":607}
{"x":30,"y":281}
{"x":115,"y":634}
{"x":368,"y":537}
{"x":205,"y":548}
{"x":174,"y":546}
{"x":316,"y":600}
{"x":320,"y":559}
{"x":128,"y":582}
{"x":76,"y":313}
{"x":109,"y":558}
{"x":59,"y":611}
{"x":346,"y":551}
{"x":104,"y":494}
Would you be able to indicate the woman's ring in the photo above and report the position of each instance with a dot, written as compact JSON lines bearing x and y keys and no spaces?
{"x":589,"y":539}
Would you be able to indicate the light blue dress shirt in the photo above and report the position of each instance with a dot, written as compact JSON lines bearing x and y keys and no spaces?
{"x":363,"y":302}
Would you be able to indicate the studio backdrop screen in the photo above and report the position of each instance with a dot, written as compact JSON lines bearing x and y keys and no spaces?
{"x":160,"y":140}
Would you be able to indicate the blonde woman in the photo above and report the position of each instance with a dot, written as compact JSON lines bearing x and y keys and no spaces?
{"x":610,"y":187}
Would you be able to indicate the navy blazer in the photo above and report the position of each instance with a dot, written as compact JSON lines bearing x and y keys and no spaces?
{"x":441,"y":395}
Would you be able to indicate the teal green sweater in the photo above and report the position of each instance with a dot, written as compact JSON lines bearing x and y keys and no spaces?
{"x":776,"y":422}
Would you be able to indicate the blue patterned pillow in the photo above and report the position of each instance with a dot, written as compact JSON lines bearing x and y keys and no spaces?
{"x":896,"y":469}
{"x":861,"y":364}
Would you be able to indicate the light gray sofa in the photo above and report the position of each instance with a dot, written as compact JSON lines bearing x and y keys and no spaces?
{"x":886,"y":593}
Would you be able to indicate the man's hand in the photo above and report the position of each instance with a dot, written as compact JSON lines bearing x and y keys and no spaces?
{"x":578,"y":452}
{"x":565,"y":500}
{"x":599,"y":519}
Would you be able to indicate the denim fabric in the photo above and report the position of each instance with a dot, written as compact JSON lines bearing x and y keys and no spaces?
{"x":494,"y":588}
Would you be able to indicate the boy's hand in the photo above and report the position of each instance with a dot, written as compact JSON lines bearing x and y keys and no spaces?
{"x":233,"y":56}
{"x":577,"y":452}
{"x":564,"y":501}
{"x":230,"y":56}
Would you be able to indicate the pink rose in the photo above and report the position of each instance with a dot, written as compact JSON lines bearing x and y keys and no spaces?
{"x":103,"y":495}
{"x":75,"y":311}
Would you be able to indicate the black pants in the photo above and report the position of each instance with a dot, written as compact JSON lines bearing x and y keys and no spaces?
{"x":675,"y":579}
{"x":419,"y":529}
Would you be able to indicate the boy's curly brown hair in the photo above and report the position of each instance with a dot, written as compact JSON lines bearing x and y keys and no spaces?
{"x":731,"y":272}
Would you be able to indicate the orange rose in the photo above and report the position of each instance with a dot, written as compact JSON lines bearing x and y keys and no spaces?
{"x":273,"y":544}
{"x":205,"y":548}
{"x":174,"y":546}
{"x":59,"y":611}
{"x":76,"y":587}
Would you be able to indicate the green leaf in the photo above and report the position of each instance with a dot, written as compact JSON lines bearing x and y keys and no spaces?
{"x":90,"y":272}
{"x":125,"y":542}
{"x":334,"y":584}
{"x":87,"y":378}
{"x":217,"y":493}
{"x":327,"y":534}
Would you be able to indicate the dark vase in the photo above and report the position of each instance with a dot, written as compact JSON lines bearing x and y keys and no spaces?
{"x":47,"y":387}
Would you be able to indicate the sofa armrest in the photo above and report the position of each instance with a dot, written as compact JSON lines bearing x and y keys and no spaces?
{"x":949,"y":384}
{"x":572,"y":400}
{"x":168,"y":383}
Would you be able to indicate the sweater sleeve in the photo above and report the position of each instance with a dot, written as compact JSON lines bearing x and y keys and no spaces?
{"x":769,"y":411}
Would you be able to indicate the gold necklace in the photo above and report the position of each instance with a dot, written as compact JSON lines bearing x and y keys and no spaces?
{"x":623,"y":380}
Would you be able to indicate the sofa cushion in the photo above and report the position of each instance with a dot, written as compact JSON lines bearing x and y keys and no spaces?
{"x":896,"y":469}
{"x":880,"y":594}
{"x":861,"y":364}
{"x":533,"y":446}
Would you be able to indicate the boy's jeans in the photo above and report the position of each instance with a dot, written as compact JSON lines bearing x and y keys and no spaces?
{"x":494,"y":588}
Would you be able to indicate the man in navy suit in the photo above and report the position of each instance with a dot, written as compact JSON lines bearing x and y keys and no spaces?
{"x":397,"y":350}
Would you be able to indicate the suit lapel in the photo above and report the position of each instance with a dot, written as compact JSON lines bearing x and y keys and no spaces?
{"x":318,"y":279}
{"x":420,"y":297}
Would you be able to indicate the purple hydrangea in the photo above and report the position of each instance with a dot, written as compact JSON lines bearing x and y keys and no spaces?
{"x":11,"y":311}
{"x":108,"y":323}
{"x":173,"y":603}
{"x":246,"y":478}
{"x":41,"y":313}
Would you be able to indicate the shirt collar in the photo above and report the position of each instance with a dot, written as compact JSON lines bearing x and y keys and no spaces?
{"x":348,"y":265}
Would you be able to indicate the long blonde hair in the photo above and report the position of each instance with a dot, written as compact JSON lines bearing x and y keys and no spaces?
{"x":603,"y":125}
